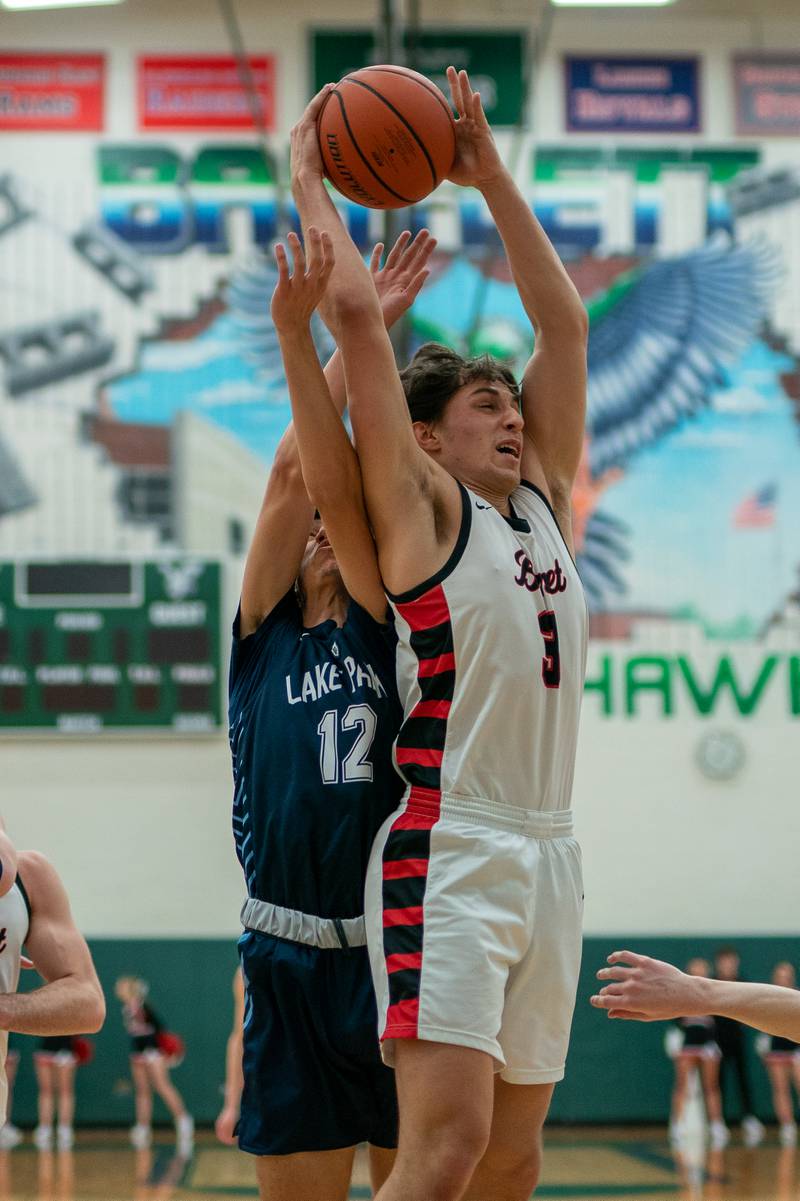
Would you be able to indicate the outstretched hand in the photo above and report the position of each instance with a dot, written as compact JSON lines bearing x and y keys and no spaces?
{"x":399,"y":280}
{"x":306,"y":158}
{"x":477,"y":159}
{"x":644,"y":989}
{"x":298,"y":293}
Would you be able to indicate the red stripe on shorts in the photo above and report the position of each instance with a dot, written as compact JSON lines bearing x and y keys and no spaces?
{"x":402,"y":1019}
{"x":400,"y":869}
{"x":396,"y":963}
{"x":412,"y":916}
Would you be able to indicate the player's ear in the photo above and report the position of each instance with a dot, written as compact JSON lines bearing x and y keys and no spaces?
{"x":427,"y":436}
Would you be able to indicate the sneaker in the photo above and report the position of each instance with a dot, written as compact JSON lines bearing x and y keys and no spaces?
{"x":720,"y":1136}
{"x":141,"y":1136}
{"x":787,"y":1135}
{"x":65,"y":1138}
{"x":184,"y":1128}
{"x":10,"y":1137}
{"x":753,"y":1131}
{"x":43,"y":1138}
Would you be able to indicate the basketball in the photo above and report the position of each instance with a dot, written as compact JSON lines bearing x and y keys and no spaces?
{"x":387,"y":137}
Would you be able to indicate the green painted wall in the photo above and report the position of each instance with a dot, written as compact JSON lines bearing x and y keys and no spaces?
{"x":616,"y":1072}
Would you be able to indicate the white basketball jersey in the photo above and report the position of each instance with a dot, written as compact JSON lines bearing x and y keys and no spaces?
{"x":13,"y":932}
{"x":491,"y":661}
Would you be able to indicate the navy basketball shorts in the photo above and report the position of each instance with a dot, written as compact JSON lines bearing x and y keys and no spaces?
{"x":474,"y":913}
{"x":313,"y":1075}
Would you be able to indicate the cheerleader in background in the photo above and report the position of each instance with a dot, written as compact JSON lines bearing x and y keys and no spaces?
{"x":692,"y":1045}
{"x":781,"y":1057}
{"x":150,"y":1064}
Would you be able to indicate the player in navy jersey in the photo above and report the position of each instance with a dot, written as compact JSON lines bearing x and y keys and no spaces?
{"x":313,"y":714}
{"x":474,"y":888}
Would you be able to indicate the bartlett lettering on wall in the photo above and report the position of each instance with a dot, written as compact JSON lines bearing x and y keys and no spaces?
{"x":767,"y":90}
{"x":180,"y":92}
{"x":632,"y":95}
{"x":51,"y":91}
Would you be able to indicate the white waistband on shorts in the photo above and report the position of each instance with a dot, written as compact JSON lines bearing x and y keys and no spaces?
{"x":329,"y":933}
{"x":532,"y":822}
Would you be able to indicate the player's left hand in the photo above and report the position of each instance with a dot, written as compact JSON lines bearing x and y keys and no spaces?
{"x":306,"y":157}
{"x":298,"y":293}
{"x":399,"y":280}
{"x":477,"y":160}
{"x":644,"y":989}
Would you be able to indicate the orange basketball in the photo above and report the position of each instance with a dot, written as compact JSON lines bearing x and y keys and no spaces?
{"x":387,"y":137}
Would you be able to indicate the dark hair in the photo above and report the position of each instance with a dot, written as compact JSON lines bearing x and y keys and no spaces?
{"x":436,"y":372}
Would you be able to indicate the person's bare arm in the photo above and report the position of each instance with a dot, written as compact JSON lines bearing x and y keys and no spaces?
{"x":398,"y":477}
{"x":649,"y":990}
{"x":71,"y":1001}
{"x":234,"y":1076}
{"x":554,"y":383}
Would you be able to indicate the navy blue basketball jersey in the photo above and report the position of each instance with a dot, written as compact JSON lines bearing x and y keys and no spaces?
{"x":313,"y":715}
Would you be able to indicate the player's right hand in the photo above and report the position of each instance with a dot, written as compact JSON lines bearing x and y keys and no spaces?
{"x":306,"y":157}
{"x":644,"y":989}
{"x":298,"y":294}
{"x":224,"y":1125}
{"x":401,"y":277}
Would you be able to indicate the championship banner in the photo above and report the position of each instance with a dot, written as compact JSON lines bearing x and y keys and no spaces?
{"x":181,"y":92}
{"x":51,"y":91}
{"x":767,"y":94}
{"x":632,"y":95}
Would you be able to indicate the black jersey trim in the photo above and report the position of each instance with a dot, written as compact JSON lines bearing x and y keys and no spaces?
{"x":520,"y":524}
{"x":533,"y":488}
{"x":24,"y":892}
{"x":403,"y":598}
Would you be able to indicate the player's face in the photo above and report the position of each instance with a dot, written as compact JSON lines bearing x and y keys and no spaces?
{"x":319,"y":561}
{"x":480,"y":436}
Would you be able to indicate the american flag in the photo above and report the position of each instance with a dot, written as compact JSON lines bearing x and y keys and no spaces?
{"x":757,"y":510}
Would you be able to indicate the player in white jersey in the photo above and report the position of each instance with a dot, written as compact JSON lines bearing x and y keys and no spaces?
{"x":474,"y":894}
{"x":35,"y":913}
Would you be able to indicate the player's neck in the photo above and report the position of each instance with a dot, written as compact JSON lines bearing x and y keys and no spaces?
{"x":498,"y":500}
{"x":326,"y":603}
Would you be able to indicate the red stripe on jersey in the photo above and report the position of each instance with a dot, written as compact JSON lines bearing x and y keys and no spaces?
{"x":432,"y":709}
{"x":427,"y":611}
{"x":424,"y":756}
{"x":397,"y":962}
{"x":412,"y":916}
{"x":402,"y":1019}
{"x":400,"y":869}
{"x":435,"y":667}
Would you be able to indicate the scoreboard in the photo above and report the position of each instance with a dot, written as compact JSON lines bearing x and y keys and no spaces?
{"x":114,"y":645}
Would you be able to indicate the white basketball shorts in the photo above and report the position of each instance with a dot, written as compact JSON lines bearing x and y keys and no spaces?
{"x":474,"y":930}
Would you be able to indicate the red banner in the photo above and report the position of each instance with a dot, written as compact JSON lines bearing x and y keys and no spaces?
{"x":203,"y":93}
{"x":51,"y":91}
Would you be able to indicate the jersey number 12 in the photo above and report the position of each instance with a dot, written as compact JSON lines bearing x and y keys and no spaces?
{"x":356,"y":765}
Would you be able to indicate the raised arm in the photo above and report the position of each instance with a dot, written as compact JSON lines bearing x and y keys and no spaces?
{"x":330,"y":467}
{"x":649,"y":990}
{"x":8,"y":861}
{"x":554,"y":383}
{"x":398,"y":477}
{"x":71,"y":1001}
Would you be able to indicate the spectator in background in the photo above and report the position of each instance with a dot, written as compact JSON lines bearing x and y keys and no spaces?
{"x":150,"y":1064}
{"x":782,"y":1060}
{"x":731,"y":1040}
{"x":697,"y":1049}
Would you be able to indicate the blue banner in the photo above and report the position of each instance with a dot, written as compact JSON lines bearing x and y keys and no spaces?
{"x":632,"y":95}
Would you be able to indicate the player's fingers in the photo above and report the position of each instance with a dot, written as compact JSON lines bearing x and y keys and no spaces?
{"x":298,"y":255}
{"x":630,"y":956}
{"x":375,"y":258}
{"x":629,"y":1015}
{"x":316,"y":102}
{"x":419,"y":249}
{"x":415,"y":287}
{"x":466,"y":93}
{"x":455,"y":90}
{"x":282,"y":263}
{"x":328,"y":256}
{"x":615,"y":973}
{"x":396,"y":253}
